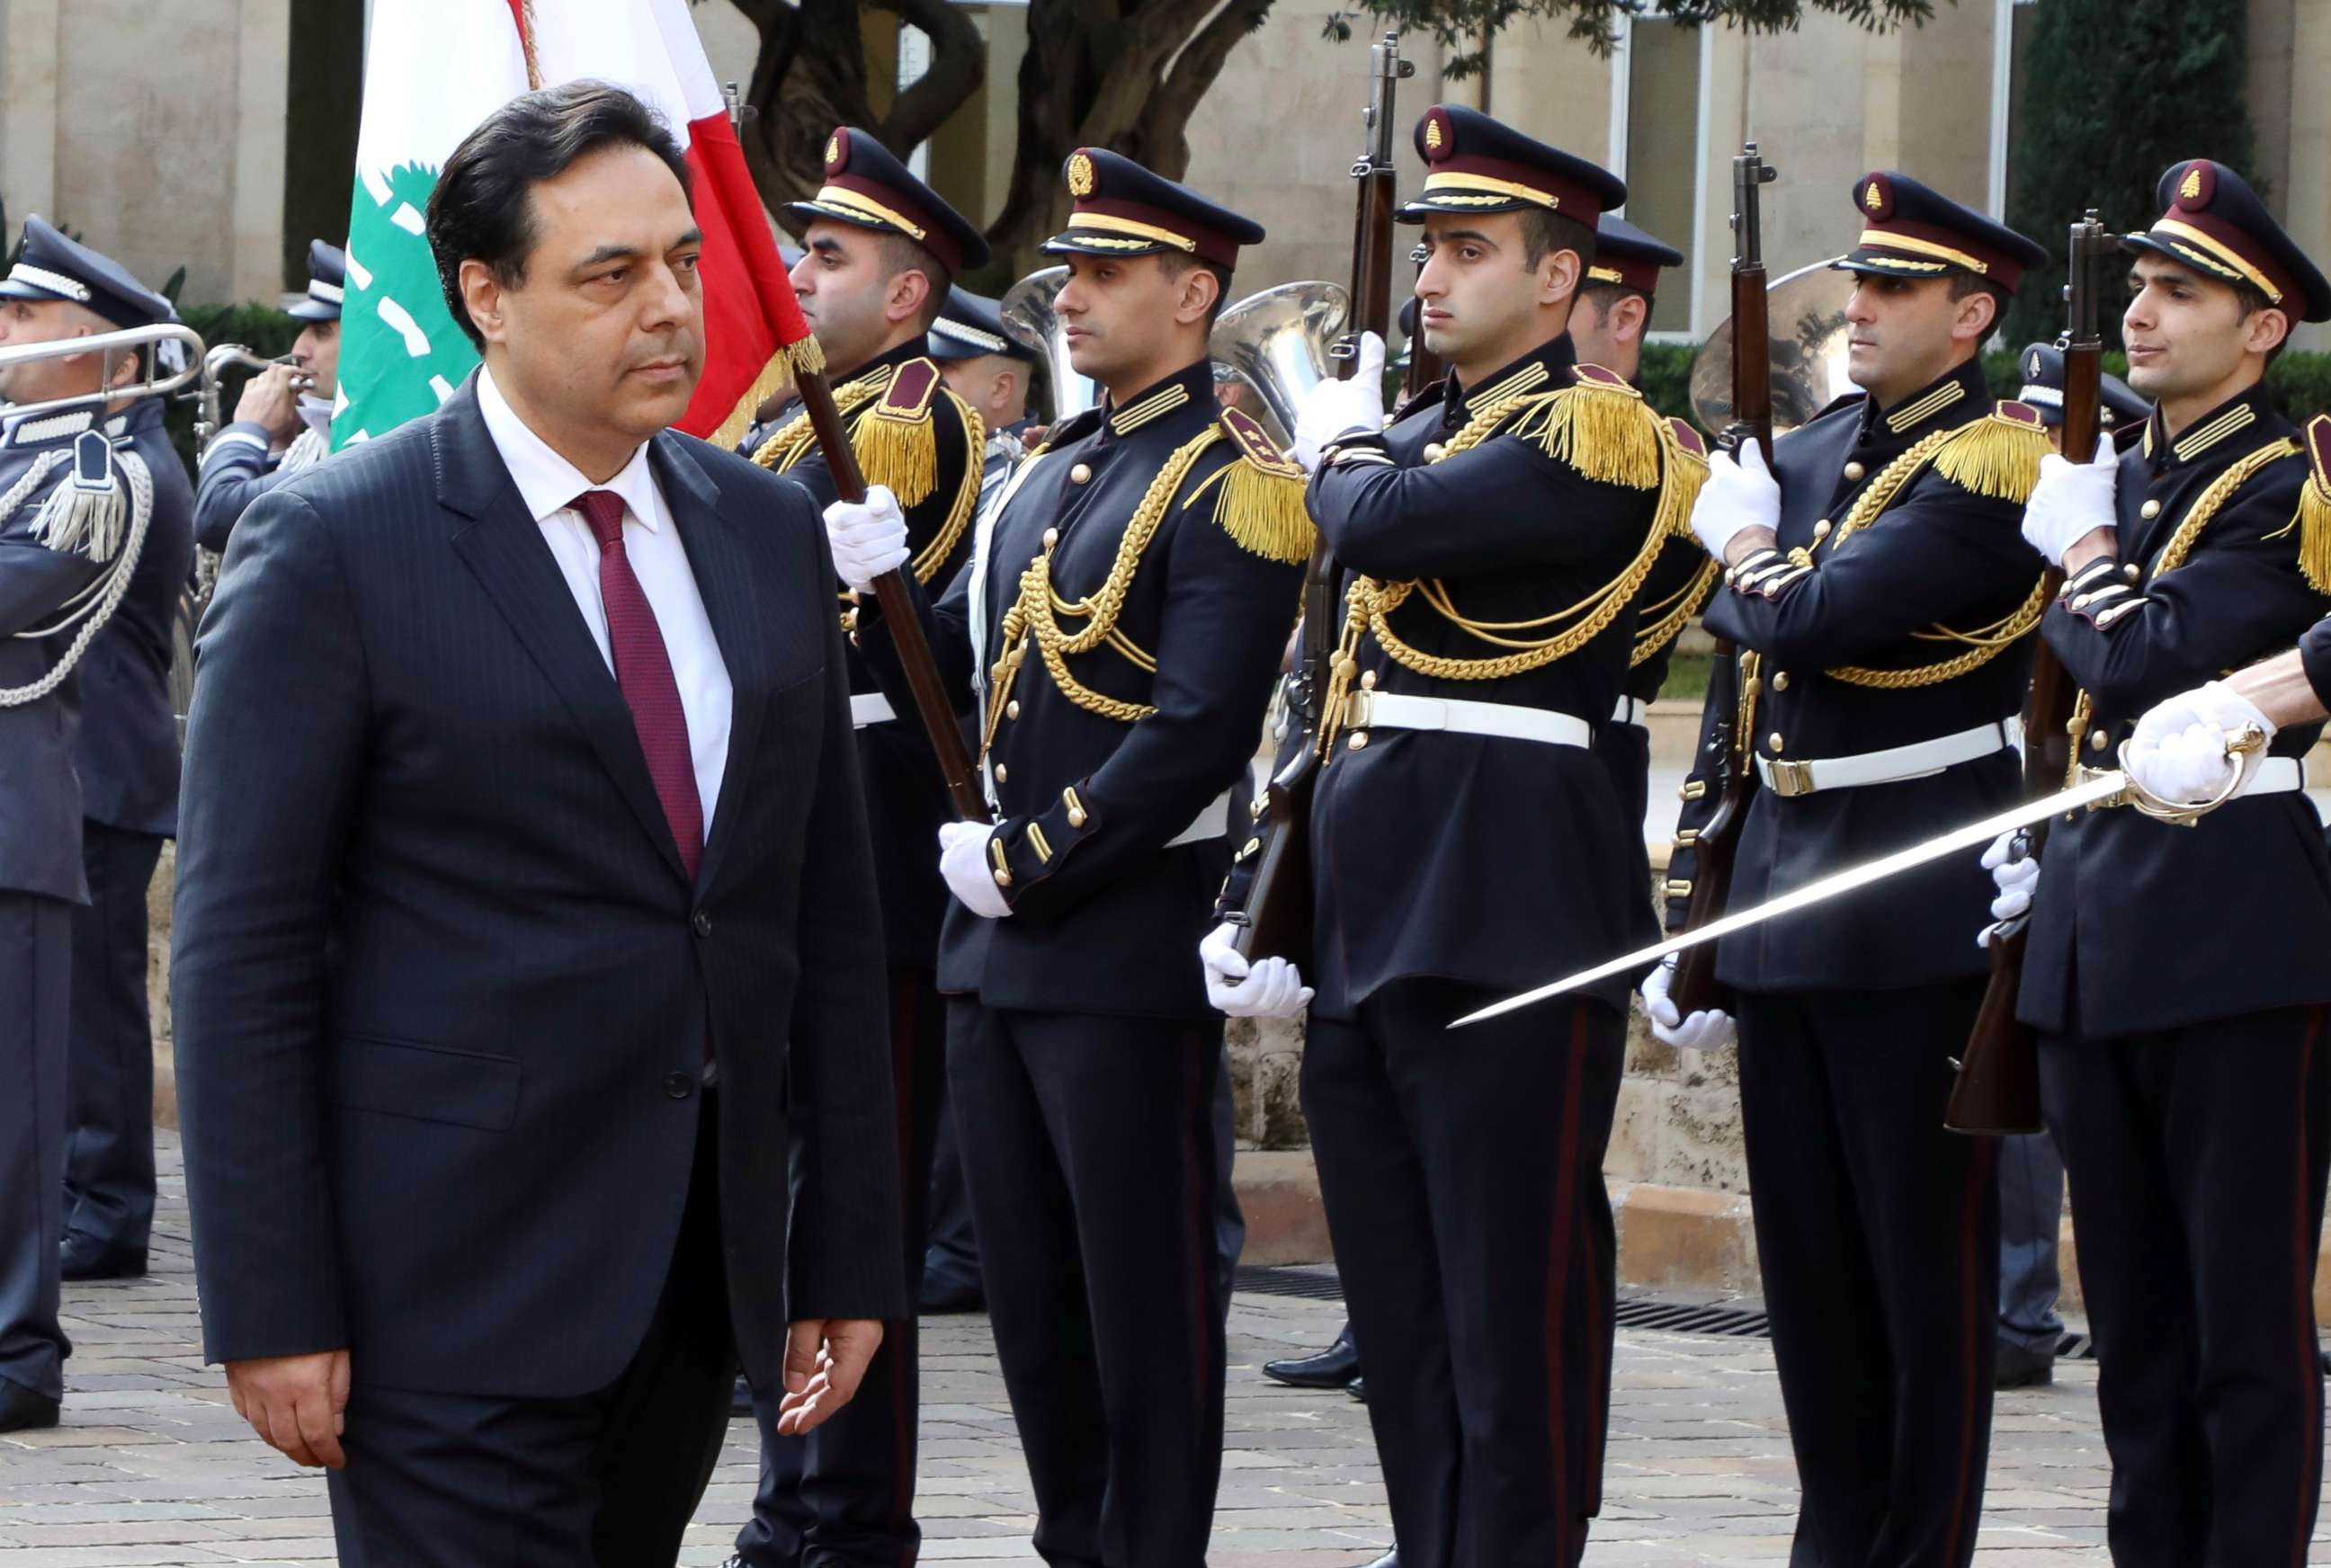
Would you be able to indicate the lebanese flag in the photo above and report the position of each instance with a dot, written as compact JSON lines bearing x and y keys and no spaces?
{"x":433,"y":69}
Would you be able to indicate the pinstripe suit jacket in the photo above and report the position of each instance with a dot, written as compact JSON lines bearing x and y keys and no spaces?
{"x":442,"y":987}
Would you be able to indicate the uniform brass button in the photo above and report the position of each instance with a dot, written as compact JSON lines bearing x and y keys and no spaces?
{"x":2149,"y":510}
{"x":1360,"y":741}
{"x":1435,"y":452}
{"x":1774,"y":740}
{"x":1002,"y":772}
{"x":1002,"y":878}
{"x":2097,"y":739}
{"x":1076,"y":816}
{"x":1052,"y":538}
{"x":1081,"y":474}
{"x":1012,"y":709}
{"x":1368,"y":681}
{"x":1780,"y":680}
{"x":678,"y":1085}
{"x":1854,"y":470}
{"x":2131,"y":572}
{"x":1821,"y":529}
{"x":1252,"y":846}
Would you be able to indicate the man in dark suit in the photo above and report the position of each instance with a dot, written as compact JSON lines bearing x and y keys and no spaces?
{"x":84,"y":481}
{"x":527,"y":913}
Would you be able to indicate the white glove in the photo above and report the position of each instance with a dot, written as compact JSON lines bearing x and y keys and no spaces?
{"x":1708,"y":1030}
{"x":970,"y":874}
{"x":2179,"y":750}
{"x":1268,"y":988}
{"x":869,"y":536}
{"x":1337,"y":407}
{"x":1740,"y":493}
{"x":2015,"y":872}
{"x":2071,"y":502}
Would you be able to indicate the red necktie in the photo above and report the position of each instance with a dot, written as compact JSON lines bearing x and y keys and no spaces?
{"x":643,"y":671}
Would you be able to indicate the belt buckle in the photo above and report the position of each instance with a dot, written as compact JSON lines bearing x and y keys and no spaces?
{"x":1789,"y":779}
{"x":1359,"y":708}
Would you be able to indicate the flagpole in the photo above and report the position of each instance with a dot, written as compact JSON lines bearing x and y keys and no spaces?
{"x":898,"y":605}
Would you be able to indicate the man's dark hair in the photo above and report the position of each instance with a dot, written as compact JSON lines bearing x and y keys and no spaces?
{"x":1544,"y":233}
{"x":1177,"y":263}
{"x":2252,"y":299}
{"x":1605,"y":296}
{"x":901,"y":254}
{"x":1963,"y":284}
{"x":482,"y":209}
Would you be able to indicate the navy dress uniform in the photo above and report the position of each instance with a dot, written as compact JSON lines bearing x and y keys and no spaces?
{"x":848,"y":1488}
{"x":1126,"y":613}
{"x":1627,"y":258}
{"x":87,"y":493}
{"x":1886,"y":643}
{"x":1465,"y":841}
{"x":240,"y":464}
{"x":2185,"y":1078}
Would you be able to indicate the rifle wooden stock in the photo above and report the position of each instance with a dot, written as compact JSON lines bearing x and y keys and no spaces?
{"x":906,"y":629}
{"x":1276,"y":921}
{"x":1998,"y":1090}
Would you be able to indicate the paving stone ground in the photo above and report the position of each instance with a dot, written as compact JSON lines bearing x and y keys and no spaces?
{"x":152,"y":1466}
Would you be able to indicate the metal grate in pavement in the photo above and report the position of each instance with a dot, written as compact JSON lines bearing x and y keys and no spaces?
{"x":1687,"y":1317}
{"x":1306,"y":1282}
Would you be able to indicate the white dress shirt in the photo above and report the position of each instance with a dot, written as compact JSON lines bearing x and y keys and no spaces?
{"x":549,"y":484}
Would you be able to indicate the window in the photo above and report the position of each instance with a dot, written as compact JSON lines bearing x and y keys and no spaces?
{"x":1659,"y":103}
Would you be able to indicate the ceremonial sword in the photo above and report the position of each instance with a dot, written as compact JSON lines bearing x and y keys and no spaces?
{"x":2095,"y":792}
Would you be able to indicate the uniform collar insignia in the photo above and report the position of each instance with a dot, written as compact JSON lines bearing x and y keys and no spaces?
{"x":1534,"y":370}
{"x":2209,"y":433}
{"x":1176,"y":391}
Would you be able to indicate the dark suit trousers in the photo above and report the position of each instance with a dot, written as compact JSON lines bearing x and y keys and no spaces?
{"x":110,"y":1154}
{"x":1464,"y":1181}
{"x":2197,"y":1159}
{"x":845,"y":1493}
{"x":36,"y":983}
{"x":608,"y":1479}
{"x":1090,"y":1157}
{"x":2031,"y":1231}
{"x":1878,"y":1233}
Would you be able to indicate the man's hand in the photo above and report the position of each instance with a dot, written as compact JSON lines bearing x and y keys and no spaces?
{"x":1267,"y":988}
{"x":1711,"y":1029}
{"x":825,"y":1361}
{"x":968,"y":872}
{"x":1337,"y":407}
{"x":271,"y":399}
{"x":2070,"y":517}
{"x":1739,"y":508}
{"x":869,"y":537}
{"x":2181,"y":750}
{"x":297,"y":1403}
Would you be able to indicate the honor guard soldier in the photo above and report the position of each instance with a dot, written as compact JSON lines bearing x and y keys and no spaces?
{"x":2044,"y":390}
{"x":95,"y":543}
{"x":2182,"y":1058}
{"x":881,"y":253}
{"x":1125,"y":613}
{"x":1607,"y":328}
{"x":1877,"y":589}
{"x":280,"y":427}
{"x":1463,"y":838}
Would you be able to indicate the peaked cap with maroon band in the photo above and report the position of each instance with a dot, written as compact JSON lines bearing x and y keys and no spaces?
{"x":1121,"y":209}
{"x":1627,"y":256}
{"x":865,"y":185}
{"x":1473,"y":163}
{"x":1908,"y":230}
{"x":2212,"y":221}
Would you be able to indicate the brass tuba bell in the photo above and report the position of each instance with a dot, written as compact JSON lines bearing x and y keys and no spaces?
{"x":1029,"y":315}
{"x":1806,"y":312}
{"x":1277,"y":341}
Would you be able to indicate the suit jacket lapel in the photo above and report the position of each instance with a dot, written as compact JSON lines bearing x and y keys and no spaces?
{"x":718,"y":559}
{"x":503,"y":546}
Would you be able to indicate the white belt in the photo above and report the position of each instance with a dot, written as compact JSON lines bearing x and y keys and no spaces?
{"x":1214,"y":822}
{"x":1503,"y":720}
{"x":2277,"y":775}
{"x":870,"y":708}
{"x":1630,"y":710}
{"x":1791,"y":778}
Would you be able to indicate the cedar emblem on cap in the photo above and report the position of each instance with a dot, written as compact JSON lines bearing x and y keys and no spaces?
{"x":1873,"y":197}
{"x":1432,"y":134}
{"x":2190,"y":187}
{"x":832,"y":152}
{"x":1080,"y":176}
{"x":2034,"y":371}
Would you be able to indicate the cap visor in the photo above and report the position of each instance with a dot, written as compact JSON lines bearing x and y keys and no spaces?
{"x":808,"y":212}
{"x":11,"y":288}
{"x":1091,"y":243}
{"x":1427,"y":205}
{"x":1862,"y":261}
{"x":312,"y":310}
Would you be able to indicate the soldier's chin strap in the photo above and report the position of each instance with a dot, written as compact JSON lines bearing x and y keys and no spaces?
{"x":84,"y":514}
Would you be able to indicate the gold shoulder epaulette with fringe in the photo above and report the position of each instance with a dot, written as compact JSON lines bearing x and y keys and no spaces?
{"x":1597,"y":424}
{"x":1685,"y":470}
{"x":2314,"y":518}
{"x":1259,"y":494}
{"x":1997,"y":455}
{"x":894,"y":440}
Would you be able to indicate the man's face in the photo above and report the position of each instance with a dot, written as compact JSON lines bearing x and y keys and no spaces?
{"x":606,"y":329}
{"x":2185,"y":333}
{"x":1899,"y":337}
{"x":1475,"y":292}
{"x":317,"y":355}
{"x":29,"y":321}
{"x":844,"y":291}
{"x":1115,"y":312}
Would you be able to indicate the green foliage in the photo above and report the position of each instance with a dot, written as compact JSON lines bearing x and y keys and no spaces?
{"x":263,"y":330}
{"x":1461,"y":25}
{"x":1665,"y":376}
{"x":2118,"y":91}
{"x":2299,"y":384}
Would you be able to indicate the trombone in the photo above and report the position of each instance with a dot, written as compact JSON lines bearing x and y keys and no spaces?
{"x":228,"y":357}
{"x":153,"y":381}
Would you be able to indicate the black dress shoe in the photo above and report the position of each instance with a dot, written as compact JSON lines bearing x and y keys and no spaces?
{"x":81,"y":1256}
{"x":22,"y":1410}
{"x":740,"y":1399}
{"x":1333,"y":1367}
{"x":942,"y":1295}
{"x":1358,"y":1389}
{"x":2021,"y":1368}
{"x":1389,"y":1560}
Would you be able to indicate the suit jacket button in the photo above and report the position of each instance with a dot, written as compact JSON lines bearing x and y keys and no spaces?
{"x":678,"y":1085}
{"x":2149,"y":510}
{"x":702,"y":924}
